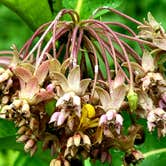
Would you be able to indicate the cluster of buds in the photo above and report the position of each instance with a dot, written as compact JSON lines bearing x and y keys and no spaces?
{"x":87,"y":118}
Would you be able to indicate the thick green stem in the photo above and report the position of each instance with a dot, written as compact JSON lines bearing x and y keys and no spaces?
{"x":33,"y":12}
{"x":78,"y":7}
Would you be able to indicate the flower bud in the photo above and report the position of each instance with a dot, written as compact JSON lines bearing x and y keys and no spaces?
{"x":17,"y":103}
{"x":23,"y":138}
{"x":77,"y":139}
{"x":133,"y":100}
{"x":34,"y":124}
{"x":55,"y":162}
{"x":4,"y":76}
{"x":70,"y":142}
{"x":21,"y":123}
{"x":29,"y":144}
{"x":66,"y":163}
{"x":22,"y":130}
{"x":86,"y":140}
{"x":33,"y":150}
{"x":4,"y":100}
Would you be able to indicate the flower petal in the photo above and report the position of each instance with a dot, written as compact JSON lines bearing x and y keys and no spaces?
{"x":105,"y":98}
{"x":74,"y":79}
{"x":42,"y":72}
{"x":31,"y":88}
{"x":23,"y":73}
{"x":61,"y":80}
{"x":117,"y":97}
{"x":147,"y":61}
{"x":43,"y":96}
{"x":119,"y":79}
{"x":83,"y":85}
{"x":65,"y":65}
{"x":54,"y":65}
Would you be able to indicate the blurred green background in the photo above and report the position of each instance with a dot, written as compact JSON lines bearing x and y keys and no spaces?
{"x":13,"y":30}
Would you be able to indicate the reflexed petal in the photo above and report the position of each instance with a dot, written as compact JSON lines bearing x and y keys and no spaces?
{"x":145,"y":101}
{"x":152,"y":21}
{"x":54,"y":65}
{"x":42,"y":72}
{"x":61,"y":80}
{"x":83,"y":85}
{"x":65,"y":65}
{"x":147,"y":61}
{"x":104,"y":97}
{"x":43,"y":96}
{"x":23,"y":73}
{"x":160,"y":43}
{"x":117,"y":97}
{"x":74,"y":79}
{"x":119,"y":79}
{"x":136,"y":67}
{"x":31,"y":88}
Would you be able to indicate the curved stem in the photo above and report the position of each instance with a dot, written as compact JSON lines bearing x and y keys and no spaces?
{"x":154,"y":152}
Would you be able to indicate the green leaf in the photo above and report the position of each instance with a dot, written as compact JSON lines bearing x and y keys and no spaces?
{"x":6,"y":128}
{"x":33,"y":12}
{"x":86,"y":7}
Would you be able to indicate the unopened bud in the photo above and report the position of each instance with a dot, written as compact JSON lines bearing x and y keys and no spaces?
{"x":34,"y":124}
{"x":21,"y":123}
{"x":23,"y":138}
{"x":4,"y":76}
{"x":133,"y":100}
{"x":5,"y":100}
{"x":22,"y":130}
{"x":86,"y":140}
{"x":29,"y":144}
{"x":25,"y":107}
{"x":77,"y":139}
{"x":2,"y":70}
{"x":33,"y":150}
{"x":70,"y":142}
{"x":17,"y":103}
{"x":66,"y":163}
{"x":55,"y":162}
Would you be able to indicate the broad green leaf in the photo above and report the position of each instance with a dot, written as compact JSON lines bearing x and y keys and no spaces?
{"x":33,"y":12}
{"x":6,"y":128}
{"x":86,"y":7}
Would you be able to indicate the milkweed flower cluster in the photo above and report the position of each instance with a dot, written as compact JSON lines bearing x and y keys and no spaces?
{"x":70,"y":66}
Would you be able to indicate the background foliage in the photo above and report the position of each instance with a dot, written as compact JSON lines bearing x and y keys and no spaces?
{"x":14,"y":30}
